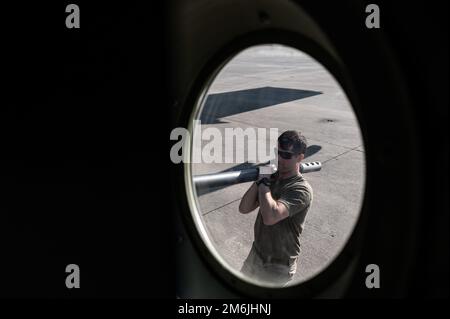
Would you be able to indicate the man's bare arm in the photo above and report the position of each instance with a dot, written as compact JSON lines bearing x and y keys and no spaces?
{"x":249,"y":201}
{"x":271,"y":210}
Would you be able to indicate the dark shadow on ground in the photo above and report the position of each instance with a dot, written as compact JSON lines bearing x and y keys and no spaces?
{"x":312,"y":149}
{"x":230,"y":103}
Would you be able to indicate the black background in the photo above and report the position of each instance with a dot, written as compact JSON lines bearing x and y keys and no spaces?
{"x":84,"y":153}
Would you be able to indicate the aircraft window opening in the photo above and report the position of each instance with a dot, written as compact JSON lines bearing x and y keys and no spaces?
{"x":258,"y":95}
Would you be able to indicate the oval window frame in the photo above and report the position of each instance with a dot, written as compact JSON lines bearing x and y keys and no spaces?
{"x":343,"y":264}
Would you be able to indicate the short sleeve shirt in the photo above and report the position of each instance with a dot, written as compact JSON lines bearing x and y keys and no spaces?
{"x":282,"y":240}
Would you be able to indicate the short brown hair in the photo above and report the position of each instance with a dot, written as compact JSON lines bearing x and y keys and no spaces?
{"x":294,"y":139}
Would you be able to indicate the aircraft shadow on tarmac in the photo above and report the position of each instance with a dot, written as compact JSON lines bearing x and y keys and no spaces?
{"x":220,"y":105}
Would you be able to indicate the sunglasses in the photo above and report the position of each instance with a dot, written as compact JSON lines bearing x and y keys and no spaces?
{"x":286,"y":155}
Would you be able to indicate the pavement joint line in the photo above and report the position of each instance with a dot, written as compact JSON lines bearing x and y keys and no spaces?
{"x":221,"y":206}
{"x":347,"y":147}
{"x":234,"y":77}
{"x":264,"y":83}
{"x":287,"y":69}
{"x":250,"y":125}
{"x":334,"y":157}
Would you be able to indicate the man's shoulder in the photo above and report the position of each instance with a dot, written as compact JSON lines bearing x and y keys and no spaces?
{"x":301,"y":181}
{"x":302,"y":185}
{"x":295,"y":183}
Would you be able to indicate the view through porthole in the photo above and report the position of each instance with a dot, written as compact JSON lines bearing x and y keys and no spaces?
{"x":270,"y":112}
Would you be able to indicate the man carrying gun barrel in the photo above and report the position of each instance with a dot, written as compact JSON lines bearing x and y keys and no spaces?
{"x":284,"y":199}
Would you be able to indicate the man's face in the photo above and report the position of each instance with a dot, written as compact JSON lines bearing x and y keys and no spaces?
{"x":287,"y":159}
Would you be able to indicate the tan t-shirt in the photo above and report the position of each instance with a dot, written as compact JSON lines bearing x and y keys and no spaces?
{"x":281,"y":242}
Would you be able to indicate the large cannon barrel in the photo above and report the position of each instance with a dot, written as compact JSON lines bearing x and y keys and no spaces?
{"x":246,"y":175}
